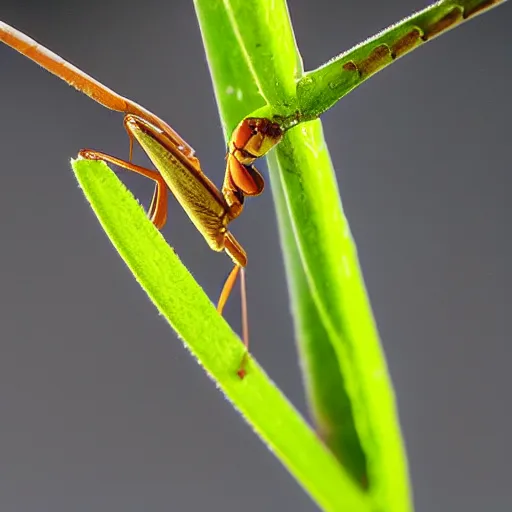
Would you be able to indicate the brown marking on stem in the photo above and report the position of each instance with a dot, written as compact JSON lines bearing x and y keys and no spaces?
{"x":378,"y":58}
{"x":481,"y":7}
{"x":456,"y":15}
{"x":350,"y":66}
{"x":406,"y":43}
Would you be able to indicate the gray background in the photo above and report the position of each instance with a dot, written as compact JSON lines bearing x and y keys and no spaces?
{"x":102,"y":408}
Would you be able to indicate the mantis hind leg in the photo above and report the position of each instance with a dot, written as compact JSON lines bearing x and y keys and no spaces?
{"x":158,"y":214}
{"x":224,"y":295}
{"x":158,"y":209}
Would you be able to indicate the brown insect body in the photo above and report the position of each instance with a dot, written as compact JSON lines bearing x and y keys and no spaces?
{"x":178,"y":169}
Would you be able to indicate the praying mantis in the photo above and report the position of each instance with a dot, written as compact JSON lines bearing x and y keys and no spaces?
{"x":177,"y":167}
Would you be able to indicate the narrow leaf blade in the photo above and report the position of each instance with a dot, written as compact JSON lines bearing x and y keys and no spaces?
{"x":210,"y":339}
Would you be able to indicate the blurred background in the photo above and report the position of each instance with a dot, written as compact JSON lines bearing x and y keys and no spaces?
{"x":101,"y":406}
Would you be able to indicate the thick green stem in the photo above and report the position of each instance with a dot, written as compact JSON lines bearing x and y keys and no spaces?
{"x":330,"y":264}
{"x":251,"y":50}
{"x":325,"y":387}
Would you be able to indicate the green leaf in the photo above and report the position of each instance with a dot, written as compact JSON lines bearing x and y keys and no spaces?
{"x":320,"y":89}
{"x":210,"y":339}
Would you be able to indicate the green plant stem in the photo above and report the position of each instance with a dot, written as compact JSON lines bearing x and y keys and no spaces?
{"x":331,"y":267}
{"x":320,"y":89}
{"x":267,"y":56}
{"x":352,"y":391}
{"x":325,"y":387}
